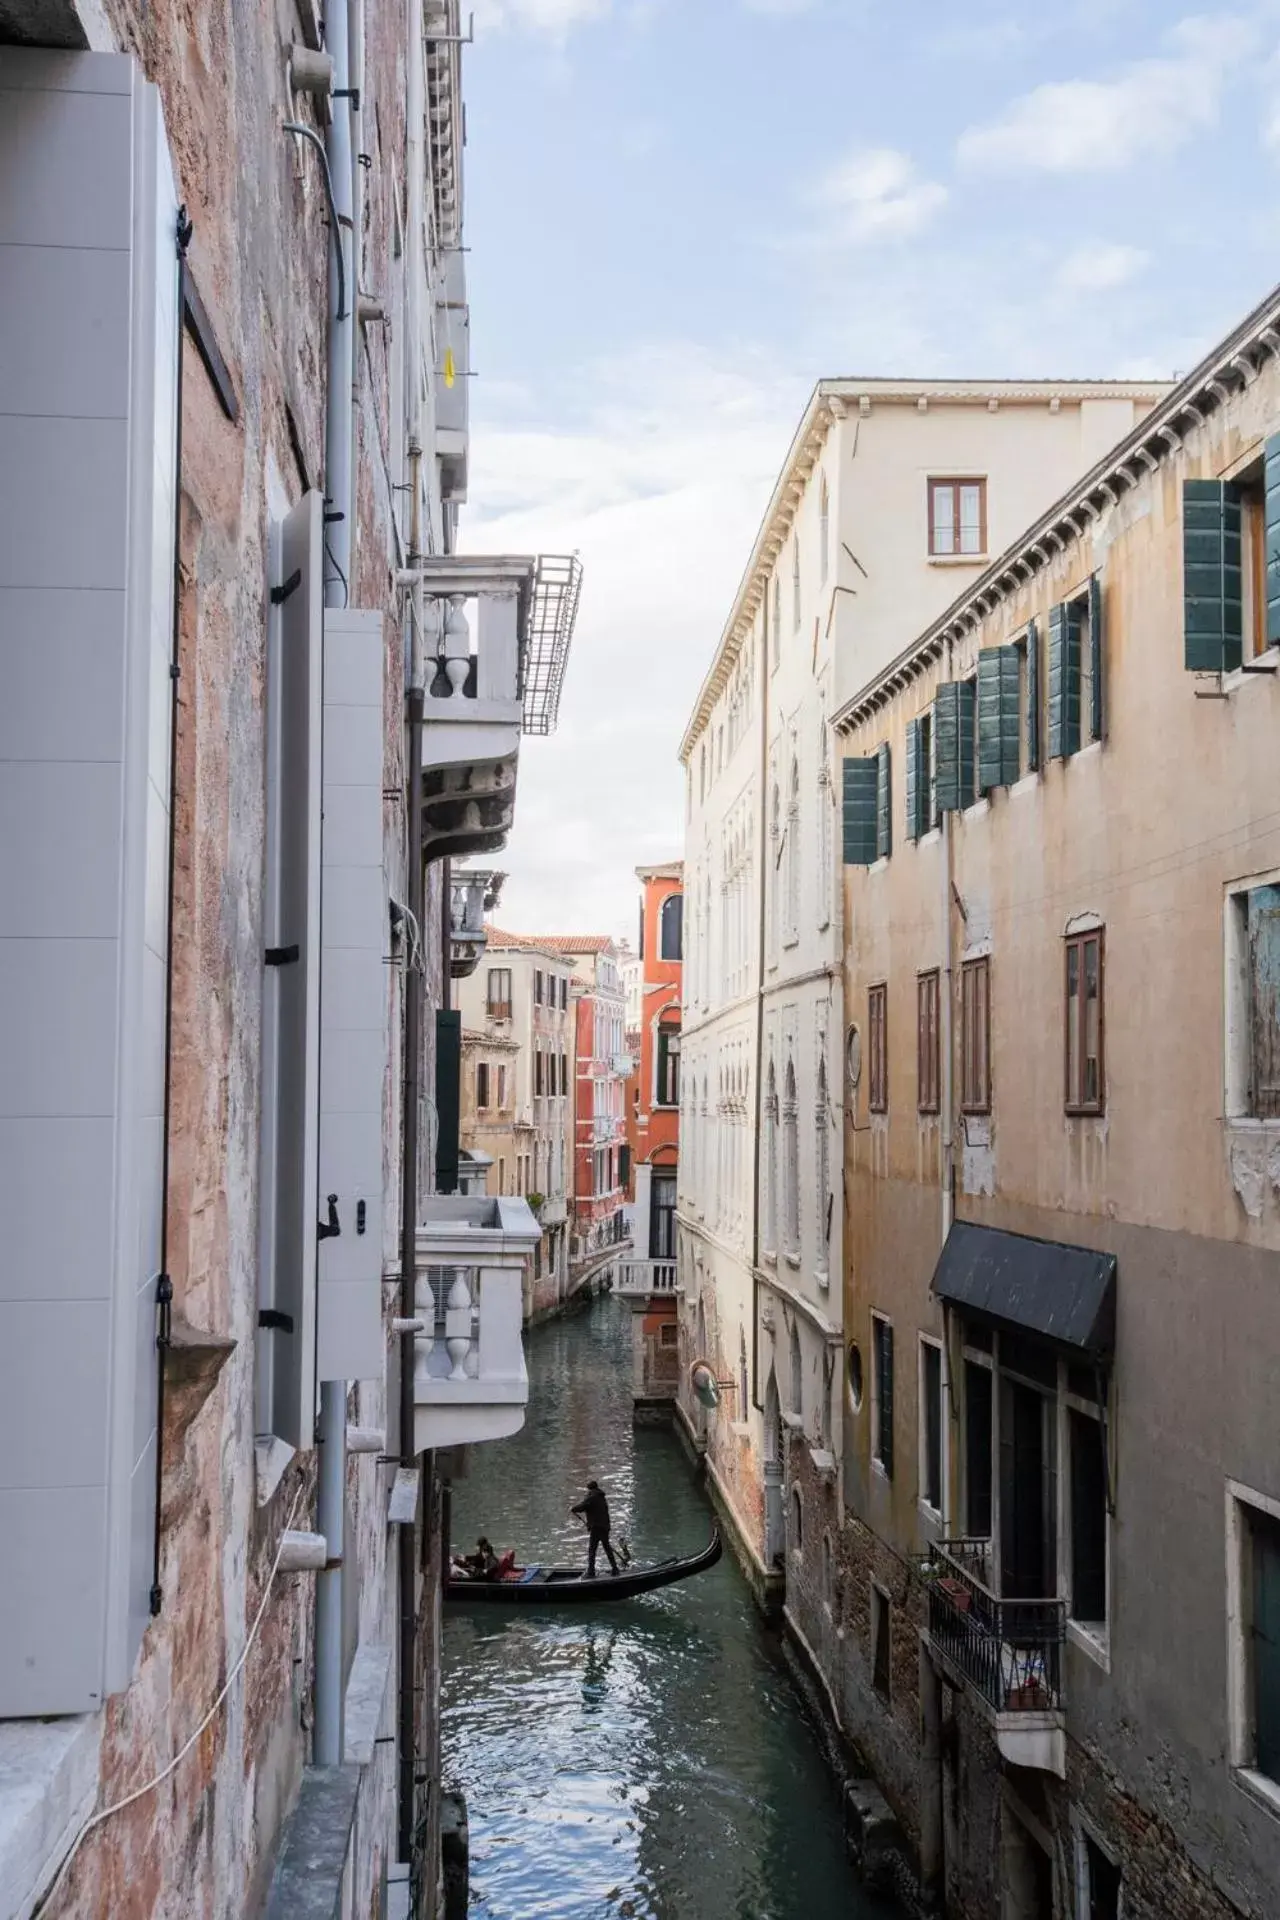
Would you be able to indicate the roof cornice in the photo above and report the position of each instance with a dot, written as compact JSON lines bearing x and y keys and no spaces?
{"x":1224,"y":373}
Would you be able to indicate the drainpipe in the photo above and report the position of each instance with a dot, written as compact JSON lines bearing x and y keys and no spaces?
{"x":328,"y":1737}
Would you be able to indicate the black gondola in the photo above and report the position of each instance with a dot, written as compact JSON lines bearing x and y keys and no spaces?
{"x":569,"y":1586}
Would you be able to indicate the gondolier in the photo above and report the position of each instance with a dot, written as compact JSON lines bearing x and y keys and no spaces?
{"x":595,"y":1511}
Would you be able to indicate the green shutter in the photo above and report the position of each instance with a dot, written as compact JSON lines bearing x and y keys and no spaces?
{"x":1033,"y":698}
{"x":1064,"y":680}
{"x":860,"y":787}
{"x":998,"y":756}
{"x":913,"y":780}
{"x":1097,"y":654}
{"x":953,"y":744}
{"x":884,"y":804}
{"x":1271,"y":466}
{"x":1212,"y":584}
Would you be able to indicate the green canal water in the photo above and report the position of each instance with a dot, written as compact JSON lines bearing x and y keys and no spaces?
{"x":651,"y":1759}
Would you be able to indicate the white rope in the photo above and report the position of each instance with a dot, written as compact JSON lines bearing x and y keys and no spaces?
{"x":139,"y":1793}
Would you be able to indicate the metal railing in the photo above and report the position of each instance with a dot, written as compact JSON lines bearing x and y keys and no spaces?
{"x":1009,"y":1650}
{"x":643,"y":1277}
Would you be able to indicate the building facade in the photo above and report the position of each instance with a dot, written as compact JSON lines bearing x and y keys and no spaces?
{"x":648,"y":1278}
{"x":517,"y":1042}
{"x":892,"y":493}
{"x":248,"y":684}
{"x":602,"y":1066}
{"x":1053,"y":1600}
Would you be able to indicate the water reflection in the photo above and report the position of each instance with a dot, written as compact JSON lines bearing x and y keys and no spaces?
{"x":651,"y":1761}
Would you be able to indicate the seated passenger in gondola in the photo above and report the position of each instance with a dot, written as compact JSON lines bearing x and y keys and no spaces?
{"x":480,"y":1565}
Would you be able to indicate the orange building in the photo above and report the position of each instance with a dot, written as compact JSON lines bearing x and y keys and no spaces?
{"x":649,"y":1278}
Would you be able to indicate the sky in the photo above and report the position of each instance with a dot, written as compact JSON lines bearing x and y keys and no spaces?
{"x":681,"y":214}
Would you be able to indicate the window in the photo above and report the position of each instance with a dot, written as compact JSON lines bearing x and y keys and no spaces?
{"x":882,"y":1393}
{"x":1256,"y":1585}
{"x":792,"y":857}
{"x":499,"y":999}
{"x":878,"y":1036}
{"x":537,"y":1071}
{"x":797,"y":1522}
{"x":770,"y":1225}
{"x":957,"y":517}
{"x":1088,"y":1492}
{"x":795,"y":582}
{"x":502,"y":1176}
{"x":881,"y":1642}
{"x":931,"y":1425}
{"x":1083,"y":1033}
{"x":978,"y":1454}
{"x":1253,"y":1003}
{"x":775,"y":880}
{"x":564,"y":1073}
{"x":1076,"y":672}
{"x":975,"y":1036}
{"x":797,"y":1375}
{"x":777,"y":619}
{"x":928,"y":1071}
{"x":671,"y":927}
{"x":791,"y":1165}
{"x":1228,"y":577}
{"x":537,"y":987}
{"x":1098,"y":1881}
{"x":1251,"y":492}
{"x":824,"y":529}
{"x":668,"y":1334}
{"x":482,"y":1084}
{"x":667,"y":1091}
{"x":502,"y":1087}
{"x":662,"y":1217}
{"x":822,"y":1160}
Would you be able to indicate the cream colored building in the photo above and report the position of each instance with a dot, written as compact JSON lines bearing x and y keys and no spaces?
{"x":517,"y":1106}
{"x":893,"y":495}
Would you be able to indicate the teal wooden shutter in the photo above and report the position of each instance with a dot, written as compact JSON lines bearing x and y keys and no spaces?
{"x":884,"y":804}
{"x":1097,"y":655}
{"x":998,"y":757}
{"x":859,"y":793}
{"x":1212,"y":584}
{"x":946,"y":745}
{"x":1033,"y":698}
{"x":968,"y":715}
{"x":1064,"y":681}
{"x":913,"y":780}
{"x":1271,"y":465}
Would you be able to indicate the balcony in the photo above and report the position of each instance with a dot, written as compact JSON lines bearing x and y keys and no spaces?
{"x":493,"y":636}
{"x":469,"y":1377}
{"x":1007,"y":1652}
{"x":472,"y":895}
{"x":641,"y":1279}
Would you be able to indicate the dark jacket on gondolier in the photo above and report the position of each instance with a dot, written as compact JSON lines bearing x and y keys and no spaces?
{"x":595,"y":1511}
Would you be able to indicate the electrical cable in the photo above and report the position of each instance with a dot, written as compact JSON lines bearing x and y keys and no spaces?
{"x":346,"y":591}
{"x":139,"y":1793}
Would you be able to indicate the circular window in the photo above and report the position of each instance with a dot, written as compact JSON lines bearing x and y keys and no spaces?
{"x":853,"y":1057}
{"x":854,"y":1358}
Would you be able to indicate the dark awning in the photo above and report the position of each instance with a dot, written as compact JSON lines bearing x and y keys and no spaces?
{"x":1066,"y":1294}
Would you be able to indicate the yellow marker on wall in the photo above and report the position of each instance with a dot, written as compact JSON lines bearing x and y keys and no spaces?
{"x":450,"y":371}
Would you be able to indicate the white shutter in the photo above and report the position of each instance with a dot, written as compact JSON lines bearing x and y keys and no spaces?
{"x":88,"y":368}
{"x":353,"y":1000}
{"x":291,"y":995}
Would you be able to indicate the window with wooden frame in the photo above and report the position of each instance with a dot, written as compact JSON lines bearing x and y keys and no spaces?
{"x":928,"y":1074}
{"x":498,"y":1000}
{"x":502,"y":1087}
{"x":975,"y":1036}
{"x":1083,"y":1031}
{"x":957,"y":517}
{"x":882,"y":1393}
{"x":1250,"y":488}
{"x":537,"y":1071}
{"x":482,"y":1084}
{"x":878,"y":1048}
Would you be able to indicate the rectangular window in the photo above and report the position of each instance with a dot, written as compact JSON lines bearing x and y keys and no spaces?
{"x":931,"y":1425}
{"x":502,"y":1176}
{"x":482,"y":1084}
{"x":537,"y":1071}
{"x":882,"y":1393}
{"x":1083,"y":1032}
{"x":499,"y":996}
{"x":957,"y":517}
{"x":1253,"y":542}
{"x":927,"y":1043}
{"x":1088,"y":1519}
{"x":975,"y":1036}
{"x":878,"y":1048}
{"x":502,"y":1086}
{"x":881,"y":1642}
{"x":1253,"y":1003}
{"x":668,"y":1067}
{"x":1099,"y":1881}
{"x":537,"y":987}
{"x":1262,"y":1653}
{"x":564,"y":1074}
{"x":978,"y":1400}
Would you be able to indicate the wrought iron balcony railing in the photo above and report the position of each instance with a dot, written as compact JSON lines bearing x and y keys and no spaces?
{"x":1009,"y":1651}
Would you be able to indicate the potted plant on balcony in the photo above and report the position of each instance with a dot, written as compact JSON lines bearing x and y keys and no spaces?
{"x":536,"y":1202}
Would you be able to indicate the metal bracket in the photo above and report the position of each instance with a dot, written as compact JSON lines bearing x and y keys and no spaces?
{"x":347,"y":93}
{"x":281,"y":593}
{"x":274,"y":1321}
{"x":330,"y":1229}
{"x":281,"y":956}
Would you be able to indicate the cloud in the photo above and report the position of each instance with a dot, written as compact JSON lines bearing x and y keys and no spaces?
{"x":1100,"y":264}
{"x":779,"y":9}
{"x":1100,"y":126}
{"x":877,"y":194}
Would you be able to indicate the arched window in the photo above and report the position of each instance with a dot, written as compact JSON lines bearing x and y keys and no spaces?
{"x":792,"y":859}
{"x":797,"y":1375}
{"x":672,"y":927}
{"x":790,"y":1164}
{"x":824,"y":529}
{"x":822,"y":1160}
{"x":797,"y":1522}
{"x":770,"y":1209}
{"x":774,"y":877}
{"x":795,"y":582}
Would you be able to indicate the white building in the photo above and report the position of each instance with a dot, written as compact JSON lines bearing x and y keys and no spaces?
{"x":892,"y":494}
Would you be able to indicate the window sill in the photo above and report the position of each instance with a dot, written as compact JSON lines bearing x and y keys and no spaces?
{"x":930,"y":838}
{"x":931,"y":1515}
{"x":1084,"y":1113}
{"x":879,"y":1471}
{"x":977,"y":808}
{"x":1095,"y":1644}
{"x":1251,"y":1123}
{"x":879,"y":864}
{"x":793,"y":1261}
{"x":1265,"y":662}
{"x":1264,"y":1791}
{"x":927,"y":1113}
{"x":958,"y":559}
{"x":48,"y":1785}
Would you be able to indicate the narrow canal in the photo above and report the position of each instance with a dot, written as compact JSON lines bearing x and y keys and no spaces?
{"x":651,"y":1760}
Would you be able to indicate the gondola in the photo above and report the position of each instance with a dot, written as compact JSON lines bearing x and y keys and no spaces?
{"x":569,"y":1586}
